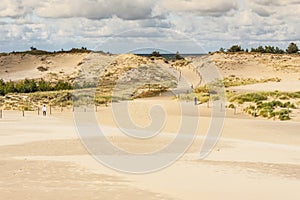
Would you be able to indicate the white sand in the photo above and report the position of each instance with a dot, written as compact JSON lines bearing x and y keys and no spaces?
{"x":42,"y":158}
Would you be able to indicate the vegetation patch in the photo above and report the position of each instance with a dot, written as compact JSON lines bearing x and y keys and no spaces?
{"x":249,"y":97}
{"x":273,"y":109}
{"x":42,"y":69}
{"x":277,"y":105}
{"x":31,"y":86}
{"x":149,"y":90}
{"x":30,"y":102}
{"x":291,"y":49}
{"x":236,"y":81}
{"x":261,"y":96}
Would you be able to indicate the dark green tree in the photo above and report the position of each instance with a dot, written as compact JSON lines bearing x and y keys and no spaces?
{"x":178,"y":56}
{"x":279,"y":51}
{"x":260,"y":49}
{"x":33,"y":48}
{"x":292,"y":48}
{"x":19,"y":87}
{"x":2,"y":87}
{"x":61,"y":85}
{"x":9,"y":87}
{"x":155,"y":54}
{"x":26,"y":86}
{"x":44,"y":86}
{"x":30,"y":86}
{"x":235,"y":48}
{"x":269,"y":49}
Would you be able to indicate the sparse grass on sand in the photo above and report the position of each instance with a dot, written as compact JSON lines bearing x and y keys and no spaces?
{"x":236,"y":81}
{"x":32,"y":101}
{"x":266,"y":104}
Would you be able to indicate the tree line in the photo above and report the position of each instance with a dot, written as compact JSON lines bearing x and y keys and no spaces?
{"x":291,"y":49}
{"x":31,"y":85}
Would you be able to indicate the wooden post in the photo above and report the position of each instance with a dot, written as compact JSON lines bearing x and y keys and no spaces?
{"x":50,"y":110}
{"x":61,"y":108}
{"x":1,"y":114}
{"x":23,"y":113}
{"x":38,"y":110}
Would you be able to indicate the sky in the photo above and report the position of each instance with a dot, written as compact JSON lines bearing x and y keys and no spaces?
{"x":122,"y":26}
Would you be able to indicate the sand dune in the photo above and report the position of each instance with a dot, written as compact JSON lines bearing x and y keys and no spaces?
{"x":44,"y":157}
{"x":20,"y":66}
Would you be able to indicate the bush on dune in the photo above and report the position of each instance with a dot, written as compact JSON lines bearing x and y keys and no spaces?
{"x":31,"y":86}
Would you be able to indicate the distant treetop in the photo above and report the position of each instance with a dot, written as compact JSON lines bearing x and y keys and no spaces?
{"x":267,"y":49}
{"x":178,"y":56}
{"x":292,"y":48}
{"x":155,"y":54}
{"x":235,"y":48}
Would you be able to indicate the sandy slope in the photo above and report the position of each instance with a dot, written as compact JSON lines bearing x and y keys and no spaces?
{"x":285,"y":67}
{"x":21,"y":66}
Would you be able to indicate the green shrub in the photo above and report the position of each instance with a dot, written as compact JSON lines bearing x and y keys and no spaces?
{"x":288,"y":105}
{"x":61,"y":85}
{"x":284,"y":97}
{"x":202,"y":89}
{"x":44,"y":86}
{"x":231,"y":106}
{"x":31,"y":86}
{"x":284,"y":115}
{"x":264,"y":113}
{"x":249,"y":97}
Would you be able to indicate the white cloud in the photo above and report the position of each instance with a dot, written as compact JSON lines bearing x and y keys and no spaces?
{"x":10,"y":8}
{"x":96,"y":9}
{"x":201,"y":8}
{"x":214,"y":23}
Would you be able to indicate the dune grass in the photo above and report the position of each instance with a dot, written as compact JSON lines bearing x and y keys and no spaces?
{"x":232,"y":81}
{"x":273,"y":109}
{"x":276,"y":105}
{"x":261,"y":96}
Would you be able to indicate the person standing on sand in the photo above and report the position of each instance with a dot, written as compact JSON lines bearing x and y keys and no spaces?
{"x":196,"y":101}
{"x":44,"y":110}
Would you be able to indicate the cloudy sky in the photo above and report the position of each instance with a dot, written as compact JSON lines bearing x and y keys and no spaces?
{"x":119,"y":26}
